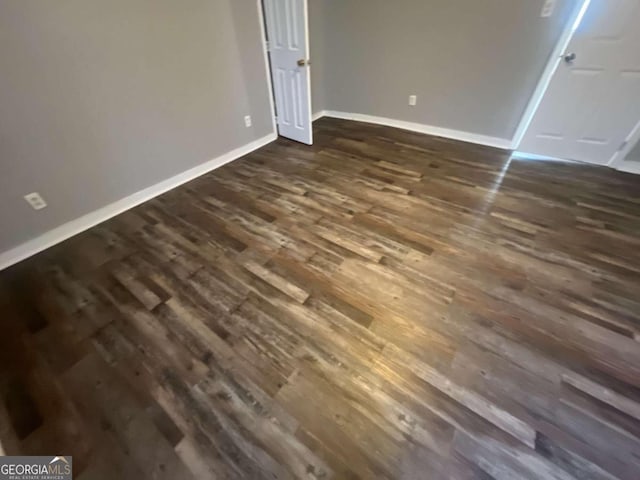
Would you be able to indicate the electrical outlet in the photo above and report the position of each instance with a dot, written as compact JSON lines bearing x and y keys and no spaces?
{"x":35,"y":200}
{"x":247,"y":121}
{"x":413,"y":100}
{"x":548,"y":8}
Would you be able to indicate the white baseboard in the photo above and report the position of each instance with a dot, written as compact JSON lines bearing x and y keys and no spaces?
{"x":629,"y":167}
{"x":91,"y":219}
{"x":317,"y":115}
{"x":496,"y":142}
{"x":534,"y":156}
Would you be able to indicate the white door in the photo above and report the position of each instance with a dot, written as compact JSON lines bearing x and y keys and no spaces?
{"x":593,"y":101}
{"x":287,"y":29}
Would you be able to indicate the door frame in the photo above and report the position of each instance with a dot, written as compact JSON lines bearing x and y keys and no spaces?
{"x":267,"y":62}
{"x":547,"y":74}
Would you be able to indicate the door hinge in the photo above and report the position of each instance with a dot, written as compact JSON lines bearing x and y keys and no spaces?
{"x":267,"y":46}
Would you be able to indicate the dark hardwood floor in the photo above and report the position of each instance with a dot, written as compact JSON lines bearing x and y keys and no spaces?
{"x":381,"y":305}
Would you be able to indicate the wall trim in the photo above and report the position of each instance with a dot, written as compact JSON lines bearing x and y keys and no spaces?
{"x":518,"y":155}
{"x":317,"y":115}
{"x":502,"y":143}
{"x":69,"y":229}
{"x":628,"y":167}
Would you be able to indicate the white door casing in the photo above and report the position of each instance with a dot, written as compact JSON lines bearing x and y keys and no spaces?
{"x":592,"y":104}
{"x":288,"y":32}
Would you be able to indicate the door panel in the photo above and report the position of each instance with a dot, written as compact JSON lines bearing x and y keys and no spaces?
{"x":288,"y":33}
{"x":592,"y":103}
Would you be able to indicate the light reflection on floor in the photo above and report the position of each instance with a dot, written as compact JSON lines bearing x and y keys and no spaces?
{"x":493,"y":190}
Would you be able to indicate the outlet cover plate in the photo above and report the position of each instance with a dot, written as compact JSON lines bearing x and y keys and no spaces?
{"x":35,"y":200}
{"x":548,"y":8}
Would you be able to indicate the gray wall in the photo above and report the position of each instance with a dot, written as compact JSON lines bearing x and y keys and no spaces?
{"x":102,"y":98}
{"x":473,"y":64}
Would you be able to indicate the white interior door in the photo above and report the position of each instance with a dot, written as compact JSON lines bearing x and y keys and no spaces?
{"x":593,"y":101}
{"x":287,"y":29}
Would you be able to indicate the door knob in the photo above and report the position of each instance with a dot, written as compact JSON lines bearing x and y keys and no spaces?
{"x":302,"y":62}
{"x":569,"y":57}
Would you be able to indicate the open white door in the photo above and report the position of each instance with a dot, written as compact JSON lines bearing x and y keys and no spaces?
{"x":592,"y":103}
{"x":288,"y":32}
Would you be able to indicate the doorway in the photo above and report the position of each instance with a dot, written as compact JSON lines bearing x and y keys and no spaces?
{"x":287,"y":37}
{"x":591,"y":106}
